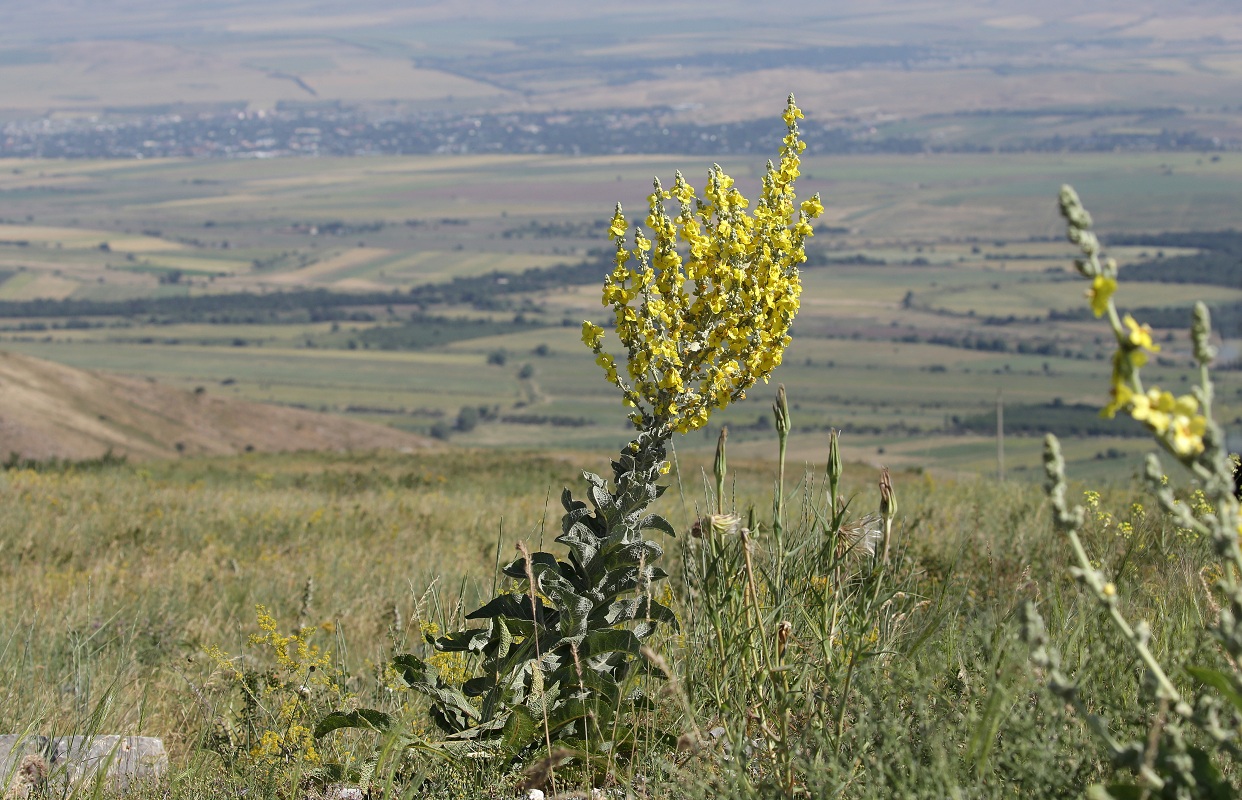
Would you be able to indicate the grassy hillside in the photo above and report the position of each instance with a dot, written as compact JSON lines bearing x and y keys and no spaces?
{"x":123,"y":588}
{"x":51,"y":411}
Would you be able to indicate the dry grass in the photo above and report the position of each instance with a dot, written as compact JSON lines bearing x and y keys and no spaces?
{"x":53,"y":411}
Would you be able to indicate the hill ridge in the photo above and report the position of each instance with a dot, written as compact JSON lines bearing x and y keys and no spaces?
{"x":49,"y":410}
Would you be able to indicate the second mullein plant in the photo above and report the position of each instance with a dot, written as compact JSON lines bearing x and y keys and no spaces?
{"x":1194,"y":711}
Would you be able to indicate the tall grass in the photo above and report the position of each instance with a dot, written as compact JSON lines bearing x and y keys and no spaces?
{"x":116,"y":582}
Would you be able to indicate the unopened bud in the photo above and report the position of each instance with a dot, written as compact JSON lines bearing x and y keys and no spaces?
{"x":781,"y":410}
{"x":719,"y":468}
{"x":834,"y":467}
{"x":1201,"y":334}
{"x":1072,"y":210}
{"x":888,"y":500}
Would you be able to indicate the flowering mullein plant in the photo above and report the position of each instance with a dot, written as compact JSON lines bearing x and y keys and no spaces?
{"x":558,"y":657}
{"x":703,"y":304}
{"x":1190,"y":748}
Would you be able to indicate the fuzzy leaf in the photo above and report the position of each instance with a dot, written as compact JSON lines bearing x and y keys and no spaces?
{"x":656,"y":522}
{"x":520,"y":731}
{"x":573,"y":607}
{"x":631,"y":609}
{"x":617,"y":554}
{"x":601,"y":685}
{"x":606,"y":641}
{"x":603,"y":498}
{"x":449,"y":706}
{"x":477,"y":687}
{"x":582,"y":542}
{"x":364,"y":718}
{"x":1225,"y":684}
{"x":571,"y":505}
{"x":507,"y":605}
{"x":517,"y":567}
{"x":471,"y":640}
{"x":594,"y":715}
{"x":620,"y":581}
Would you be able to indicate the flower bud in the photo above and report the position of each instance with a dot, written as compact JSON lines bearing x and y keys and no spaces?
{"x":888,"y":501}
{"x":781,"y":410}
{"x":719,"y":468}
{"x":1201,"y":334}
{"x":834,"y":467}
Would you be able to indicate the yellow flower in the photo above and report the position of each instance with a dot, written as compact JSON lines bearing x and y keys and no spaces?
{"x":1138,"y":335}
{"x":1101,"y":291}
{"x":617,"y":228}
{"x":1121,"y":399}
{"x":1186,"y":437}
{"x":592,"y":335}
{"x":813,"y":207}
{"x":792,"y":112}
{"x":1146,"y":408}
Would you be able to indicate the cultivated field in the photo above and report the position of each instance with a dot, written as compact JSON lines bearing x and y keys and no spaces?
{"x":946,"y":244}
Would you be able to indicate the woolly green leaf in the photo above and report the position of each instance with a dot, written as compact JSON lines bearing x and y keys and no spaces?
{"x":656,"y":522}
{"x":364,"y":718}
{"x":520,"y":731}
{"x":571,"y":505}
{"x":1225,"y":684}
{"x":631,"y":609}
{"x":595,"y":714}
{"x":573,"y":607}
{"x":602,"y":685}
{"x":477,"y":687}
{"x":515,"y":606}
{"x":582,"y":542}
{"x":450,"y":708}
{"x":413,"y":670}
{"x":608,"y":641}
{"x":471,"y":640}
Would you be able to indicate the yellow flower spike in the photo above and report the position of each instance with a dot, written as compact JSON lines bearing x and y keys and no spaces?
{"x":691,"y":349}
{"x":1101,"y":291}
{"x":792,"y":112}
{"x":617,"y":228}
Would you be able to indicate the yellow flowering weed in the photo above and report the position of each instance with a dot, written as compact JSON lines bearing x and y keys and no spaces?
{"x":704,"y":304}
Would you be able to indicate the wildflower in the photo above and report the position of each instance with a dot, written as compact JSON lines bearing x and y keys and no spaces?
{"x":1174,"y":420}
{"x":592,"y":335}
{"x":1101,"y":291}
{"x":1138,"y":336}
{"x":1187,"y":435}
{"x":617,"y":228}
{"x":704,"y":311}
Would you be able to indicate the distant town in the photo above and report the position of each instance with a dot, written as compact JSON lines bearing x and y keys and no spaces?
{"x":328,"y":130}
